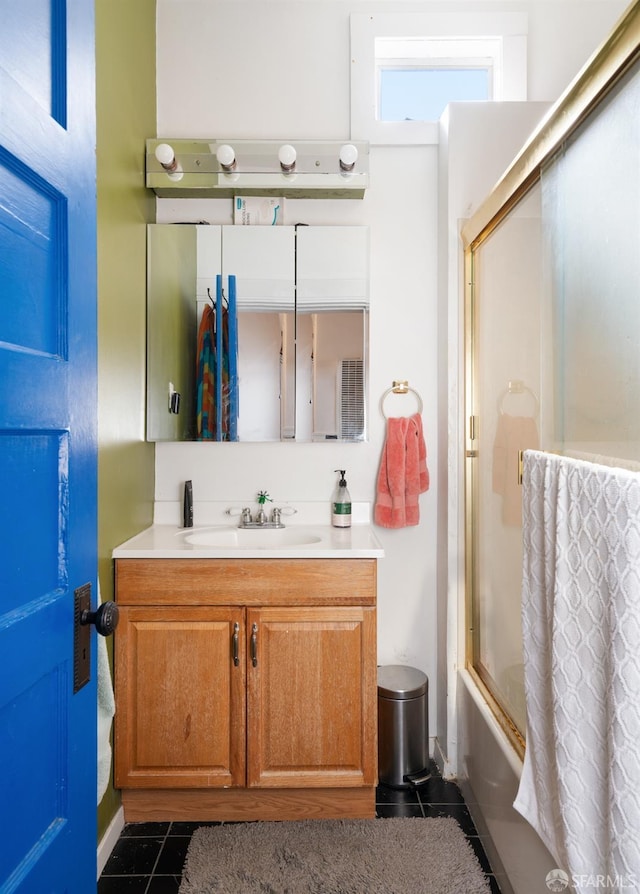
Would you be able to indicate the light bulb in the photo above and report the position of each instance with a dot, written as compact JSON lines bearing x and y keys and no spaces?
{"x":348,"y":157}
{"x":226,"y":157}
{"x":167,"y":157}
{"x":287,"y":157}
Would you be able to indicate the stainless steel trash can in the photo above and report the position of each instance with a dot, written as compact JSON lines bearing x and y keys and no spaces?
{"x":403,"y":725}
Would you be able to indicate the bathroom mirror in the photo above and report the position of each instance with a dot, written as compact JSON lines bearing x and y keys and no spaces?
{"x":271,"y":321}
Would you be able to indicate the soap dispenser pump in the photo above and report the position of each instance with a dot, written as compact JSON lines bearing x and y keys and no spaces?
{"x":341,"y":503}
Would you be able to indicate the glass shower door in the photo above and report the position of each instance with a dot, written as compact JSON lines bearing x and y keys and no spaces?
{"x":552,"y":334}
{"x":504,"y":325}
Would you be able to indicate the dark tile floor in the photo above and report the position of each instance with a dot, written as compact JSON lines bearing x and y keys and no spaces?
{"x":149,"y":857}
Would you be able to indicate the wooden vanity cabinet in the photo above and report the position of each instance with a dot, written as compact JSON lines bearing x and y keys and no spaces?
{"x":309,"y":711}
{"x":180,"y":698}
{"x":246,"y":689}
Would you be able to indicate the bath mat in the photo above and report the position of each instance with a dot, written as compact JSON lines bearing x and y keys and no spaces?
{"x":377,"y":856}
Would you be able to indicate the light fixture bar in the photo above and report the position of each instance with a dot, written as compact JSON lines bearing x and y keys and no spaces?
{"x":225,"y":168}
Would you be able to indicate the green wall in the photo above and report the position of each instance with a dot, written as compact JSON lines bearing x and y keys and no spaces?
{"x":126,"y":116}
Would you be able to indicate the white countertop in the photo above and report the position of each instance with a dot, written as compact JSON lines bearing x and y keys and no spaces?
{"x":172,"y":542}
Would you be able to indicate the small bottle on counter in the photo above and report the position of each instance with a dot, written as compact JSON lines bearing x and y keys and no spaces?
{"x":341,"y":503}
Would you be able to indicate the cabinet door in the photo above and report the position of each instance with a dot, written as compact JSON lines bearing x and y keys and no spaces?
{"x":332,"y":272}
{"x":171,"y":323}
{"x":181,"y":698}
{"x":262,"y":260}
{"x":208,"y":260}
{"x":332,"y":290}
{"x":311,"y":683}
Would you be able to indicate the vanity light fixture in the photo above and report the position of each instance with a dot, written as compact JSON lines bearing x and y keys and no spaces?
{"x":287,"y":158}
{"x":348,"y":157}
{"x":212,"y":168}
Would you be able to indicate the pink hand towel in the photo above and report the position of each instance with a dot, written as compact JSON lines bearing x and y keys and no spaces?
{"x":423,"y":471}
{"x":389,"y":511}
{"x":403,"y":474}
{"x":416,"y":472}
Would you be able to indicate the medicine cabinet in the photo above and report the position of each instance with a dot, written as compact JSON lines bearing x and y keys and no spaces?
{"x":293,"y":357}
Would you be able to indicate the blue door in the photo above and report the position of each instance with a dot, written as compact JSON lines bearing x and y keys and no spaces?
{"x":47,"y":443}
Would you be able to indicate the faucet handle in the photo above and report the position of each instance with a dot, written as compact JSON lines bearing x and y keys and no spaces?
{"x":276,"y":514}
{"x":245,"y":516}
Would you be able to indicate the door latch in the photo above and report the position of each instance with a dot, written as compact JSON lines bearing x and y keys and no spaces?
{"x":105,"y":619}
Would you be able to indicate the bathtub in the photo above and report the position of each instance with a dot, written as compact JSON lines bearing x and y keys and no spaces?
{"x":489,"y":771}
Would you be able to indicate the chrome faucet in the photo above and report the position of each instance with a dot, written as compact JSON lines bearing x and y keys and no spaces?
{"x":260,"y":519}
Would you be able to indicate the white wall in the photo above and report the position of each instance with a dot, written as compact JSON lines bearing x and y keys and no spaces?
{"x":269,"y":70}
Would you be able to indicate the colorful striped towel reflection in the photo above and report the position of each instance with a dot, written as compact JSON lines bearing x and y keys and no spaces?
{"x":205,"y":376}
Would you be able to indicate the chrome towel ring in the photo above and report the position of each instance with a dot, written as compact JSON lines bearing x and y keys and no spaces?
{"x":399,"y":387}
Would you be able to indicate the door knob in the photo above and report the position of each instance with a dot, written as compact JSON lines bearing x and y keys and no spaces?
{"x":105,"y":618}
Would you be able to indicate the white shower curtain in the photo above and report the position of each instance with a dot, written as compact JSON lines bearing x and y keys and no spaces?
{"x":580,"y":786}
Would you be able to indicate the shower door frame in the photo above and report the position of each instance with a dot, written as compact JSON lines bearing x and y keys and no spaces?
{"x":607,"y":66}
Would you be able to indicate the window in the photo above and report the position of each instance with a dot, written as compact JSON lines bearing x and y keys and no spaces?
{"x":416,"y":78}
{"x":422,"y":94}
{"x":405,"y":69}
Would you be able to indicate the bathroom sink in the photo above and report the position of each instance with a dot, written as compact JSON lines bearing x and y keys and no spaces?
{"x":239,"y":538}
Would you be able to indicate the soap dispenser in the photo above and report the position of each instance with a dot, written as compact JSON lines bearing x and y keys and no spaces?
{"x":341,"y":503}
